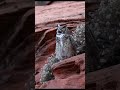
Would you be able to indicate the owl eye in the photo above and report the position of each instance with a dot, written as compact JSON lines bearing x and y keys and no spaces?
{"x":59,"y":31}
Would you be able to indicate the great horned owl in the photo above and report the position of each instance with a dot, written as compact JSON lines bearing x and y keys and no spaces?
{"x":62,"y":29}
{"x":64,"y":48}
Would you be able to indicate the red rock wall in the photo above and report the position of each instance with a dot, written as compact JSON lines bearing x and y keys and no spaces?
{"x":46,"y":18}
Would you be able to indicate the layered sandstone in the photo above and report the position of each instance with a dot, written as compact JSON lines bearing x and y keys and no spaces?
{"x":71,"y":13}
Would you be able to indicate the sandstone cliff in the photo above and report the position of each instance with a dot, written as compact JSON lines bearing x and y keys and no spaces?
{"x":70,"y":73}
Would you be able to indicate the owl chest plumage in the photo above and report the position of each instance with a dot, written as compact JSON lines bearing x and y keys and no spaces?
{"x":64,"y":48}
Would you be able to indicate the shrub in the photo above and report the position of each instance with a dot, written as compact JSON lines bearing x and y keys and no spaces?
{"x":105,"y":25}
{"x":46,"y":71}
{"x":78,"y":39}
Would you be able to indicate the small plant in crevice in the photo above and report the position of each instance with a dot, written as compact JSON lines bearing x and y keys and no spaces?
{"x":78,"y":39}
{"x":46,"y":71}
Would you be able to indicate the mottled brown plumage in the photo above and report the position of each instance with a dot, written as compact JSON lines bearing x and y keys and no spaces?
{"x":64,"y":48}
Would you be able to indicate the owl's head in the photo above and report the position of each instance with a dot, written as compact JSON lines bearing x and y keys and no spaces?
{"x":62,"y":29}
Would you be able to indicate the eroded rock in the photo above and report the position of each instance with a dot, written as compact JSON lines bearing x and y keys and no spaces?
{"x":68,"y":67}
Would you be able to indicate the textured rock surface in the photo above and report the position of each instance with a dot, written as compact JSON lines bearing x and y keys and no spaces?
{"x":54,"y":12}
{"x":68,"y":67}
{"x":73,"y":82}
{"x":69,"y":73}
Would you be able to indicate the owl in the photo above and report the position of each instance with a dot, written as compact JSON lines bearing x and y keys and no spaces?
{"x":64,"y":48}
